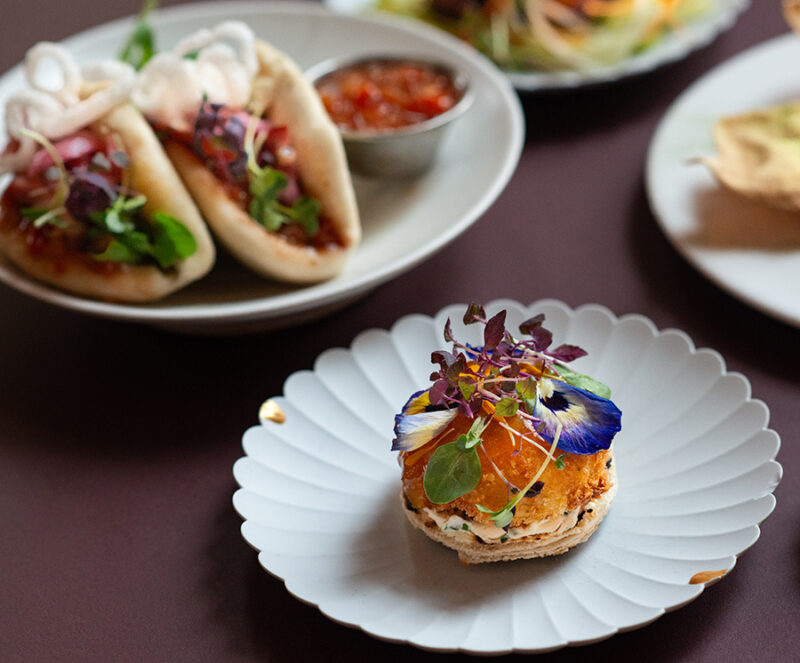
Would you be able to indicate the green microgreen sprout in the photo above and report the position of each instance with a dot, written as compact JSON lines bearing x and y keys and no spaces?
{"x":140,"y":46}
{"x":454,"y":469}
{"x":267,"y":183}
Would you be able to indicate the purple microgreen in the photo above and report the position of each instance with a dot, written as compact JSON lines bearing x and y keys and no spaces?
{"x":437,"y":391}
{"x":474,"y":313}
{"x":532,"y":323}
{"x":494,"y":331}
{"x":89,"y":194}
{"x":567,"y":353}
{"x":448,"y":332}
{"x":443,"y":358}
{"x":541,"y":338}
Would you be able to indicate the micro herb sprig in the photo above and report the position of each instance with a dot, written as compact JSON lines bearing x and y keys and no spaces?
{"x":86,"y":195}
{"x":494,"y":382}
{"x":454,"y":469}
{"x":266,"y":185}
{"x":140,"y":46}
{"x":503,"y":374}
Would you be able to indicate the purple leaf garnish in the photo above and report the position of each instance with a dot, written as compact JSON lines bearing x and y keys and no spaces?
{"x":448,"y":332}
{"x":532,"y":323}
{"x":474,"y":313}
{"x":541,"y":338}
{"x":494,"y":331}
{"x":88,"y":193}
{"x":567,"y":353}
{"x":438,"y":391}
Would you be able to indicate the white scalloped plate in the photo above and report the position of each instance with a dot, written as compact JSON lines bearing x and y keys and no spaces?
{"x":675,"y":46}
{"x":319,"y":493}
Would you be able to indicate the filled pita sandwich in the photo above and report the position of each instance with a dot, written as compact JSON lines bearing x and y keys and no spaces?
{"x":94,"y":206}
{"x":256,"y":149}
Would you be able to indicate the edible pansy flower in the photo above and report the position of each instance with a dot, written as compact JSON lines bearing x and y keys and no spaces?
{"x":504,"y":379}
{"x":588,"y":422}
{"x":419,"y":422}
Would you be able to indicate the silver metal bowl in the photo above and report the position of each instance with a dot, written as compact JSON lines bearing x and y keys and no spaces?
{"x":406,"y":150}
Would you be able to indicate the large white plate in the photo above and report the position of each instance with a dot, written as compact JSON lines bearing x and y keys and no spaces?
{"x":674,"y":46}
{"x":404,"y":222}
{"x":320,"y":493}
{"x":748,"y":249}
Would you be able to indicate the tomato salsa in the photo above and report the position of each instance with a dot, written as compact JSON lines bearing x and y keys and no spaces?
{"x":383,"y":95}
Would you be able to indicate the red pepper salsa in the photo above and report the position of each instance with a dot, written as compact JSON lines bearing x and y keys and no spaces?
{"x":383,"y":95}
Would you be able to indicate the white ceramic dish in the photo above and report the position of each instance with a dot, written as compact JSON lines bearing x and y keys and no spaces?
{"x":750,"y":250}
{"x":675,"y":46}
{"x":320,"y":493}
{"x":404,"y":221}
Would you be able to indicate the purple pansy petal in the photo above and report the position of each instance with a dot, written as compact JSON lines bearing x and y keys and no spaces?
{"x":589,"y":422}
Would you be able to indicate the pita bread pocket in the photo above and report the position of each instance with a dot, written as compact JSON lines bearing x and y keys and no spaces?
{"x":94,"y":206}
{"x":508,"y":454}
{"x":251,"y":140}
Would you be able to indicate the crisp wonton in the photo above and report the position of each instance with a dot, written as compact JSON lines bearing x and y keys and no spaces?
{"x":759,"y":155}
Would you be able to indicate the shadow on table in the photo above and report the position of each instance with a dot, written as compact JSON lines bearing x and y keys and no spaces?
{"x":705,"y":311}
{"x":264,"y":622}
{"x":725,"y":220}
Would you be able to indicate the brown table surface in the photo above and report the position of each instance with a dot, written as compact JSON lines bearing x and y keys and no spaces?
{"x":118,"y":541}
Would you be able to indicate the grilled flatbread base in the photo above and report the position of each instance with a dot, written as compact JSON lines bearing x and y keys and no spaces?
{"x":290,"y":100}
{"x":151,"y":174}
{"x":471,"y":550}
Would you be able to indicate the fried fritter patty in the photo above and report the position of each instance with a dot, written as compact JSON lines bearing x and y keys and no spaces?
{"x":506,"y":459}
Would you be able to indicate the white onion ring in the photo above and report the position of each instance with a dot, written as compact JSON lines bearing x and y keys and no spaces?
{"x":59,"y":112}
{"x":70,"y":88}
{"x":170,"y":87}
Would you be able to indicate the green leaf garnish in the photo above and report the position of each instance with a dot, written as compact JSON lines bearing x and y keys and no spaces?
{"x":506,"y":407}
{"x":305,"y":212}
{"x":173,"y":240}
{"x":116,"y":251}
{"x":527,"y":388}
{"x":558,"y":463}
{"x":140,"y":46}
{"x":454,"y":469}
{"x":41,"y":216}
{"x":451,"y":473}
{"x":582,"y":381}
{"x":466,"y":388}
{"x":266,"y":185}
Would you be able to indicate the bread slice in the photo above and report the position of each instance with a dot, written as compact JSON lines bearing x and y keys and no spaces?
{"x":472,"y":550}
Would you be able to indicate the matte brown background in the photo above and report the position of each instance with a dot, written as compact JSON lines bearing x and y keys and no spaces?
{"x":118,"y":541}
